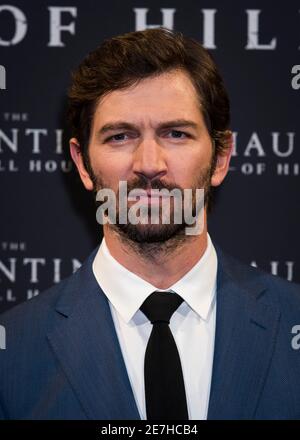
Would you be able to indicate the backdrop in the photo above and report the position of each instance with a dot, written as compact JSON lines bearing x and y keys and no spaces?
{"x":48,"y":223}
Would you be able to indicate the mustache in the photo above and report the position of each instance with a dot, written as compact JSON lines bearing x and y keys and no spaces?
{"x":144,"y":183}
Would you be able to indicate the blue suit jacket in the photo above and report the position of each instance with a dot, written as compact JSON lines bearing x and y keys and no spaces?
{"x":63,"y":359}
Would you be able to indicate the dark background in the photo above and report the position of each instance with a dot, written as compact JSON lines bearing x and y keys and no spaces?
{"x":48,"y":223}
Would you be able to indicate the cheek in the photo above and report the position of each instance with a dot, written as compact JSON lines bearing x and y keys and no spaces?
{"x":186,"y":167}
{"x":110,"y":167}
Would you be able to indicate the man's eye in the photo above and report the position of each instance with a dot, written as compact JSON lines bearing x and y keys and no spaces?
{"x":117,"y":137}
{"x":122,"y":137}
{"x":177,"y":134}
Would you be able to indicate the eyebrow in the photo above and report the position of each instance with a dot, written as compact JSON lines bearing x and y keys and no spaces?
{"x":122,"y":125}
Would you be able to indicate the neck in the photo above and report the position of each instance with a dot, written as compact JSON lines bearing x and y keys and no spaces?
{"x":161,"y":264}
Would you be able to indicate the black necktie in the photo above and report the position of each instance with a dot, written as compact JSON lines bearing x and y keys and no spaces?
{"x":164,"y":385}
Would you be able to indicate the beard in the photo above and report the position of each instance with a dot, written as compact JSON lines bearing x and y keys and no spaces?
{"x":149,"y":237}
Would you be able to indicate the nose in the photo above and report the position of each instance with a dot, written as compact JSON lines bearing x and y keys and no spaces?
{"x":149,"y":159}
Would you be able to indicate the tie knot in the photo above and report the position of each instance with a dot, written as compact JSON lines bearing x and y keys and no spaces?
{"x":160,"y":306}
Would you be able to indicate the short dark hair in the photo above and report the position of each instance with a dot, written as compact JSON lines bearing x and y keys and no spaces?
{"x":125,"y":60}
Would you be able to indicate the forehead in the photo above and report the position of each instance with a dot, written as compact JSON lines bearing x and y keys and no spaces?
{"x":165,"y":96}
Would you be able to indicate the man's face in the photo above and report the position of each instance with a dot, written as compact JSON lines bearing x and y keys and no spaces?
{"x":151,"y":135}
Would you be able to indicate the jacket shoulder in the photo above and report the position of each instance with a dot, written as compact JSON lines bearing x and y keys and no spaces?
{"x":38,"y":310}
{"x":282,"y":291}
{"x":34,"y":312}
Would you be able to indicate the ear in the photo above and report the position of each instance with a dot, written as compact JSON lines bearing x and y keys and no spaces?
{"x":77,"y":157}
{"x":222,"y":164}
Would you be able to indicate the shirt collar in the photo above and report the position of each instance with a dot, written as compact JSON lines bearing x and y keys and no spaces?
{"x":127,"y":291}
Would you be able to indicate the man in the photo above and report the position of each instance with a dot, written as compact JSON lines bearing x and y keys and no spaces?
{"x":150,"y":109}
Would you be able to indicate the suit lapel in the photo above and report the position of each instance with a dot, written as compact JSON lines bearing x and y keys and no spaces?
{"x":246,"y":330}
{"x":86,"y":344}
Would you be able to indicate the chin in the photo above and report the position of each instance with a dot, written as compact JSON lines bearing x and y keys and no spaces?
{"x":151,"y":233}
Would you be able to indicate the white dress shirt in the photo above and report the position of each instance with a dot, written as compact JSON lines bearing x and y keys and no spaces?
{"x":192,"y":324}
